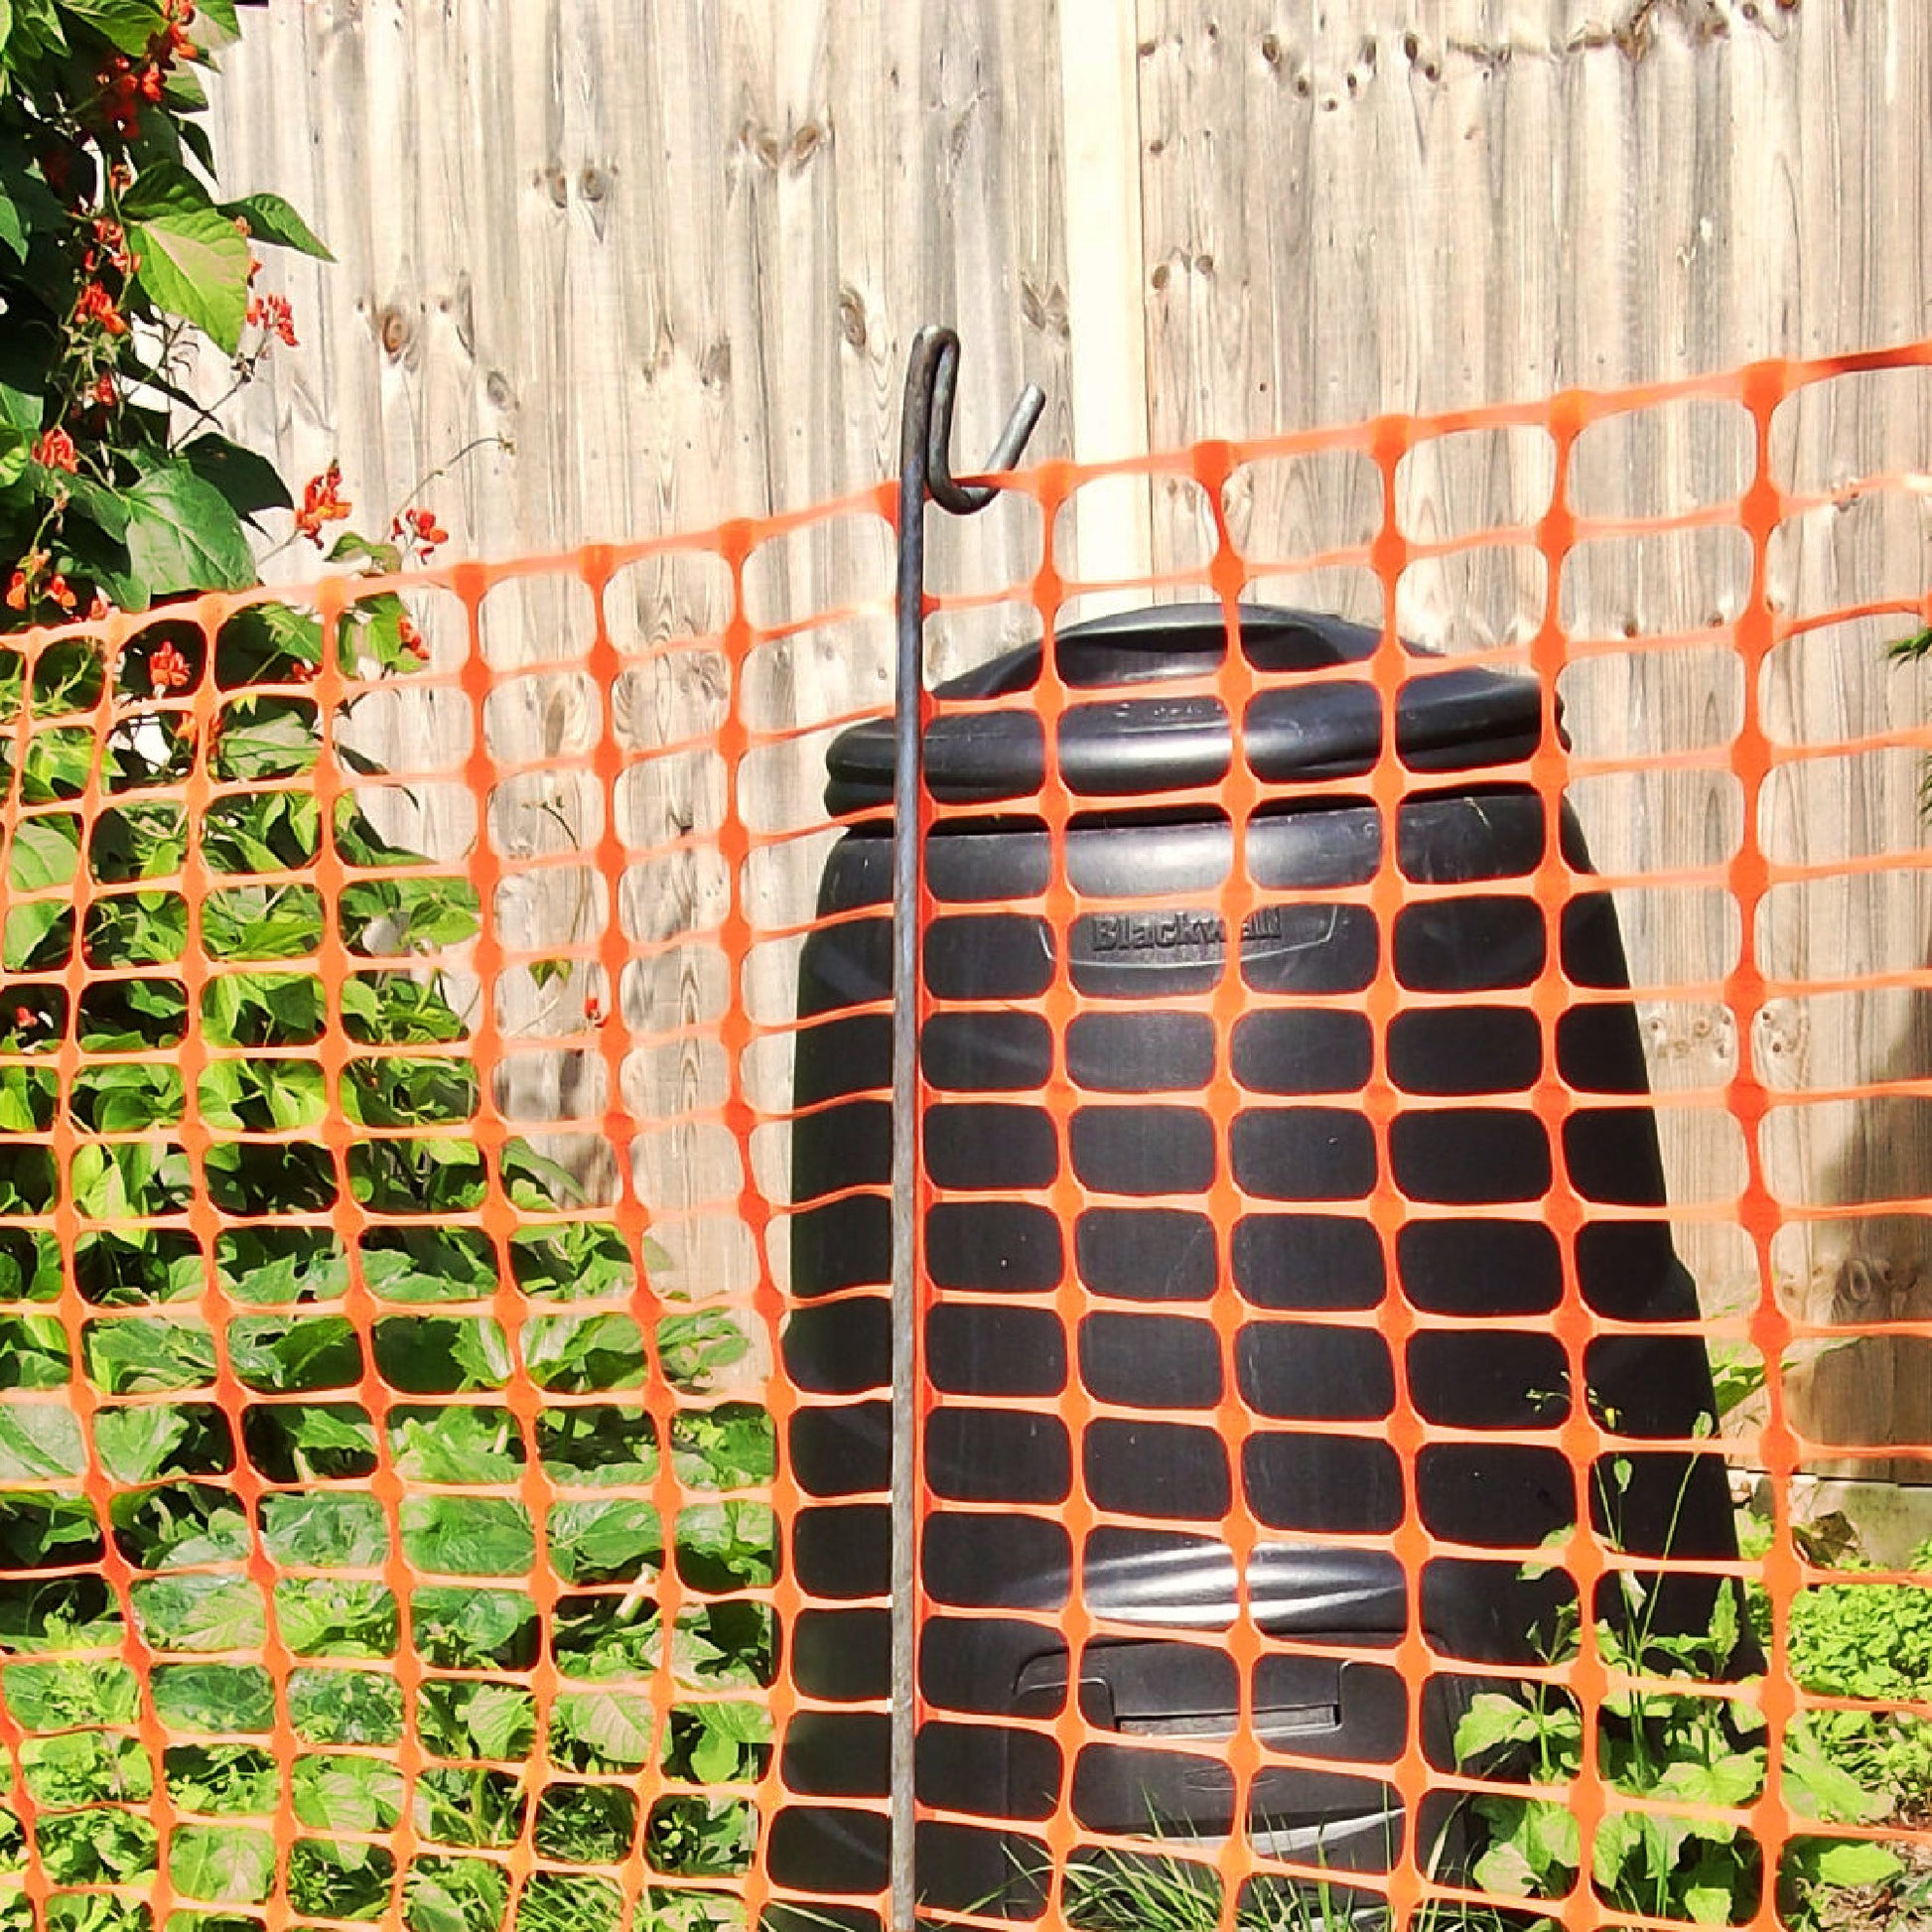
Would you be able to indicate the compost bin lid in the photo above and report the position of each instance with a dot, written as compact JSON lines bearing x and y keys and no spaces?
{"x":1449,"y":717}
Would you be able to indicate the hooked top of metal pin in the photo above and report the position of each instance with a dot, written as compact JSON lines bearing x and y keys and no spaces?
{"x":926,"y":429}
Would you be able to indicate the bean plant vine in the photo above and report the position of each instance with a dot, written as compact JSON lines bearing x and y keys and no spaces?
{"x":231,"y":1672}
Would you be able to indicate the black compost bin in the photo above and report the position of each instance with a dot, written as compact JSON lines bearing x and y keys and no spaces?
{"x":1148,"y":1266}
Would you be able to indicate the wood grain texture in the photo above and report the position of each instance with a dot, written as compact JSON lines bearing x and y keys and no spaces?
{"x":675,"y":254}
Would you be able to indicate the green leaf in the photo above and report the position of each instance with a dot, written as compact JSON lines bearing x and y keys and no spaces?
{"x":270,"y":218}
{"x":166,"y":188}
{"x":128,"y":25}
{"x":223,"y":1863}
{"x":13,"y":223}
{"x":598,"y":1542}
{"x":468,"y":1536}
{"x":247,"y":483}
{"x":714,"y":1759}
{"x":184,"y":535}
{"x":326,"y":1531}
{"x":384,"y":558}
{"x":194,"y":266}
{"x":20,"y":409}
{"x":45,"y":853}
{"x":222,"y":13}
{"x":134,"y":1443}
{"x":200,"y":1613}
{"x":347,"y":1794}
{"x":215,"y":1697}
{"x":613,"y":1723}
{"x":1709,"y":1904}
{"x":39,"y":1439}
{"x":36,"y":28}
{"x":1852,"y":1861}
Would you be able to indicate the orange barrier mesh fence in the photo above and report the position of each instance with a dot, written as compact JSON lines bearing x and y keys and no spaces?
{"x":441,"y":1373}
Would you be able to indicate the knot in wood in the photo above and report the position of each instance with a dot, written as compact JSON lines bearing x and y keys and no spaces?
{"x":852,"y":317}
{"x":393,"y":331}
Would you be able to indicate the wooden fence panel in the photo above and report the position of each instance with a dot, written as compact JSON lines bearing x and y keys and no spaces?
{"x":674,"y":255}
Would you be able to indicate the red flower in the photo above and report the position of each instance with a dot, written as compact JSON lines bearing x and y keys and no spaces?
{"x":322,"y":503}
{"x":167,"y":670}
{"x":594,"y":1010}
{"x":419,"y":531}
{"x":272,"y":313}
{"x":411,"y":640}
{"x":53,"y":450}
{"x":112,"y":238}
{"x":62,"y":592}
{"x":107,"y":392}
{"x":99,"y":609}
{"x":98,"y":306}
{"x":24,"y":585}
{"x":24,"y":1019}
{"x":123,"y":86}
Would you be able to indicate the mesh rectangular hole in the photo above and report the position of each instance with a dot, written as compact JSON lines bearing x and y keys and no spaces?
{"x":670,"y":797}
{"x":1286,"y":510}
{"x":1646,"y":704}
{"x":782,"y":784}
{"x":997,"y":550}
{"x":1829,"y":435}
{"x":545,"y":814}
{"x":261,"y":737}
{"x":1674,"y":458}
{"x":535,"y":1087}
{"x":1825,"y":810}
{"x":1454,"y":485}
{"x":379,"y":826}
{"x":1846,"y":926}
{"x":1352,"y":591}
{"x":1843,"y":1153}
{"x":1864,"y":548}
{"x":808,"y":677}
{"x":961,"y":641}
{"x":410,"y":728}
{"x":828,"y":564}
{"x":552,"y":714}
{"x":536,"y":619}
{"x":665,"y":599}
{"x":403,"y":918}
{"x":1875,"y":1036}
{"x":686,"y":1078}
{"x":1491,"y":597}
{"x":1657,"y":822}
{"x":682,"y":987}
{"x":1094,"y":530}
{"x":687,"y":891}
{"x":1838,"y":681}
{"x":1666,"y":584}
{"x":132,"y":929}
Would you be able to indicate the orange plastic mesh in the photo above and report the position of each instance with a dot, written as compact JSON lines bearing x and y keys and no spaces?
{"x":615,"y":759}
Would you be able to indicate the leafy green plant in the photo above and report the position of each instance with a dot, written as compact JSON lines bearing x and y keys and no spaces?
{"x":115,"y":486}
{"x":1872,"y":1642}
{"x":193,"y":1048}
{"x":1704,"y":1746}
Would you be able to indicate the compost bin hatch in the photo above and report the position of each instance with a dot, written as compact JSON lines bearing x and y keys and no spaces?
{"x":1298,"y":727}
